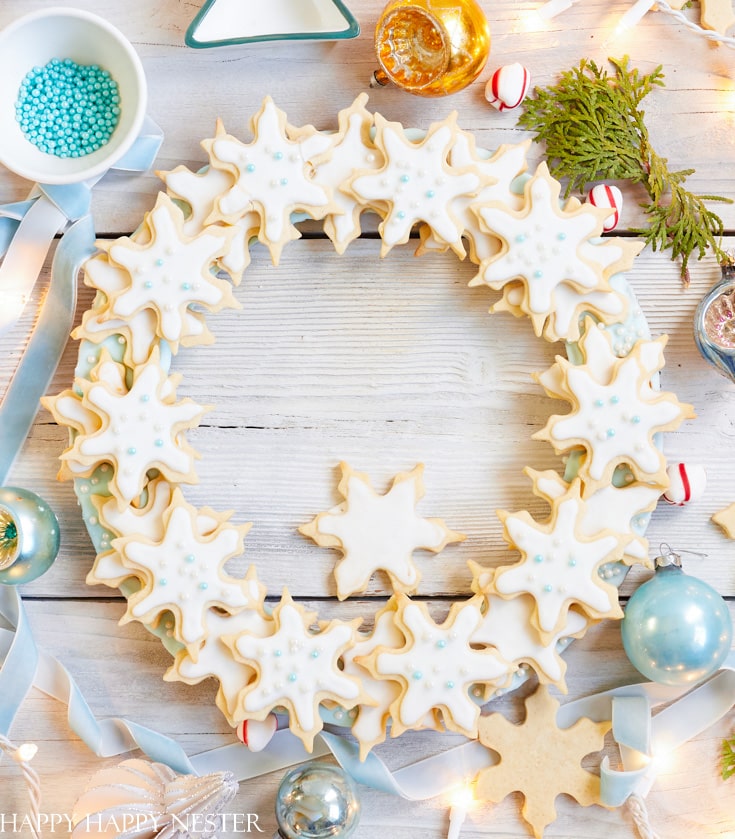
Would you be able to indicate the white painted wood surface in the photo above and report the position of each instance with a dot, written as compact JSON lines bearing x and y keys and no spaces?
{"x":384,"y":364}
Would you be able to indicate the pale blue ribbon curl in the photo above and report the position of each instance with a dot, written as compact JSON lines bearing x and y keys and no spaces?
{"x":27,"y":229}
{"x":640,"y":733}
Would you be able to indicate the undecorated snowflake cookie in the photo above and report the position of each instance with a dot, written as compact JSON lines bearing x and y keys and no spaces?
{"x":540,"y":760}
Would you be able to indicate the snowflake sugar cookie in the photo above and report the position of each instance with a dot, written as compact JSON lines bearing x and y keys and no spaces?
{"x":624,"y":509}
{"x":371,"y":723}
{"x":541,"y":246}
{"x":615,"y":413}
{"x":416,"y":183}
{"x":182,"y":573}
{"x":296,"y":669}
{"x":170,"y":273}
{"x":272,"y":176}
{"x":352,"y":146}
{"x":559,"y":566}
{"x":524,"y":645}
{"x":378,"y":532}
{"x":540,"y":760}
{"x":197,"y":191}
{"x":438,"y":666}
{"x":213,"y":658}
{"x":498,"y":173}
{"x":140,"y":430}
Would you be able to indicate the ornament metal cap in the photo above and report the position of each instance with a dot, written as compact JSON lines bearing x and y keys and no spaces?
{"x":667,"y":558}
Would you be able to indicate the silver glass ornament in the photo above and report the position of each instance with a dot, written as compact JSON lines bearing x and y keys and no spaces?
{"x":316,"y":801}
{"x":677,"y":630}
{"x":714,"y":323}
{"x":29,"y":536}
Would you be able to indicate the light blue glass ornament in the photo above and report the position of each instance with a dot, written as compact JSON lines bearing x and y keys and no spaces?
{"x":677,"y":630}
{"x":29,"y":536}
{"x":316,"y":801}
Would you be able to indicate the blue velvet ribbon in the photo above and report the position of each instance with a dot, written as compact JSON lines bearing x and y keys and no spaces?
{"x":51,"y":332}
{"x":639,"y":732}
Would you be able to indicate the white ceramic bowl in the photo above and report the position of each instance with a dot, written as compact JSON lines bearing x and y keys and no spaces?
{"x":35,"y":39}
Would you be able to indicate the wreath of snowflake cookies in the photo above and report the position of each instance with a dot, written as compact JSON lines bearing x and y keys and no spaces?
{"x":129,"y":456}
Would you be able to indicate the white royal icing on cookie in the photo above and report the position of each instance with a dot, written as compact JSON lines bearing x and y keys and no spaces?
{"x":541,"y":245}
{"x":139,"y":330}
{"x":370,"y":724}
{"x":523,"y":644}
{"x":616,"y":508}
{"x":379,"y":532}
{"x":109,"y":568}
{"x":558,"y":567}
{"x":499,"y":172}
{"x":615,"y":421}
{"x":183,"y":572}
{"x":417,"y":183}
{"x":297,"y":668}
{"x":172,"y":272}
{"x":140,"y":431}
{"x":271,"y":177}
{"x":199,"y":190}
{"x":214,"y":658}
{"x":351,"y":149}
{"x":438,"y":666}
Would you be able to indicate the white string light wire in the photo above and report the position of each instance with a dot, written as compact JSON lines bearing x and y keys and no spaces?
{"x":22,"y":755}
{"x":710,"y":34}
{"x":639,"y":812}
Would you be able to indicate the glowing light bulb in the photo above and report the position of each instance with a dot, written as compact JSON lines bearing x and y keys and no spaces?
{"x":633,"y":16}
{"x":462,"y":799}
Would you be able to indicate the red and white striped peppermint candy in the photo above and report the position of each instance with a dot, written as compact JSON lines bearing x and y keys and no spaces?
{"x":508,"y":86}
{"x":256,"y":734}
{"x":686,"y":483}
{"x":606,"y":195}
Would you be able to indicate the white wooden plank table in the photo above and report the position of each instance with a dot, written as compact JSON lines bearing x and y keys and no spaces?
{"x":383,"y":363}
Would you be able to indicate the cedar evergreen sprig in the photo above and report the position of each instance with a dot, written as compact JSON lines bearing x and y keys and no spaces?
{"x":594,"y":129}
{"x":728,"y":758}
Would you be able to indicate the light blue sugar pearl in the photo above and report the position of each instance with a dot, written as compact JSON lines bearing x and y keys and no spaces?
{"x":68,"y":109}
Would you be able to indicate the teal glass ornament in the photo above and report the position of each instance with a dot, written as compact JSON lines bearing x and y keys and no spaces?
{"x":29,"y":536}
{"x":677,"y":630}
{"x":316,"y":801}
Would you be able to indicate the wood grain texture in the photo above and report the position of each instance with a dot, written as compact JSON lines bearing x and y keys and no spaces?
{"x":385,"y":364}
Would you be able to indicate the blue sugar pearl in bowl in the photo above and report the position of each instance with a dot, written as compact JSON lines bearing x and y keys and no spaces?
{"x":68,"y":109}
{"x":73,"y":96}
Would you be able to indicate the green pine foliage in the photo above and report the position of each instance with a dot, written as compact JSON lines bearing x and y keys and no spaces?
{"x":593,"y":127}
{"x":728,"y":758}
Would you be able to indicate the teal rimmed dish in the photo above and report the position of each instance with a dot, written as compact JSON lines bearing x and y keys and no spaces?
{"x":226,"y":23}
